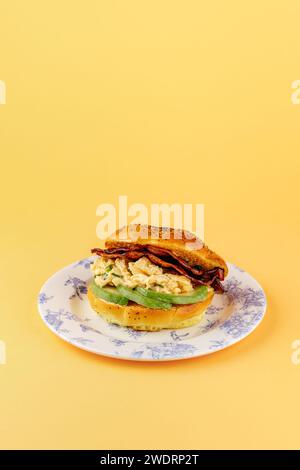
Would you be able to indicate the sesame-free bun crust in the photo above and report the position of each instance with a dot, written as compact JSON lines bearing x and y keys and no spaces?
{"x":182,"y":243}
{"x":149,"y":319}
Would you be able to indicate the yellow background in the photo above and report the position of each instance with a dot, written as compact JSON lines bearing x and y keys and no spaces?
{"x":163,"y":101}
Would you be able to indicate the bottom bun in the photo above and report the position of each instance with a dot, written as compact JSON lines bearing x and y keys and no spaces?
{"x":149,"y":319}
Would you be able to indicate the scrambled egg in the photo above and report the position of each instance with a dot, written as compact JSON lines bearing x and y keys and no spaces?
{"x":141,"y":273}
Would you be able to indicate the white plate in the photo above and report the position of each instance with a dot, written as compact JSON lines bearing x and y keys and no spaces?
{"x":231,"y":317}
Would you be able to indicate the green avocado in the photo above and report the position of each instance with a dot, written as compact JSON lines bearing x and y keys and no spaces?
{"x":197,"y":295}
{"x":141,"y":299}
{"x":110,"y":294}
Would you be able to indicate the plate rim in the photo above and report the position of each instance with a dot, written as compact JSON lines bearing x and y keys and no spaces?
{"x":126,"y":357}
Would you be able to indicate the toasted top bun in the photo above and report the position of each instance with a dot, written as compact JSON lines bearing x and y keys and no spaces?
{"x":150,"y":319}
{"x":182,"y":243}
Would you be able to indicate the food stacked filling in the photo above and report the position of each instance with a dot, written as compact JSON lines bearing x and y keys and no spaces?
{"x":151,"y":276}
{"x":119,"y":272}
{"x":168,"y":260}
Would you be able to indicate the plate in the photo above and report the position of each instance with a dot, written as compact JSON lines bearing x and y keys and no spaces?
{"x":232,"y":316}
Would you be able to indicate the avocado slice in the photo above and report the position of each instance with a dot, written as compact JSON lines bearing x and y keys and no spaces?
{"x":141,"y":299}
{"x":197,"y":295}
{"x":110,"y":294}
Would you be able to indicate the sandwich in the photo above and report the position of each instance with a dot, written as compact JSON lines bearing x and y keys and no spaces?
{"x":160,"y":278}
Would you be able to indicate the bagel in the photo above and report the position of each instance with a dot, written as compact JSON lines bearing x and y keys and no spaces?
{"x":151,"y":278}
{"x":149,"y":319}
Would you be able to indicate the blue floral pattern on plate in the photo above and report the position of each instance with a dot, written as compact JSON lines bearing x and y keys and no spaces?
{"x":232,"y":316}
